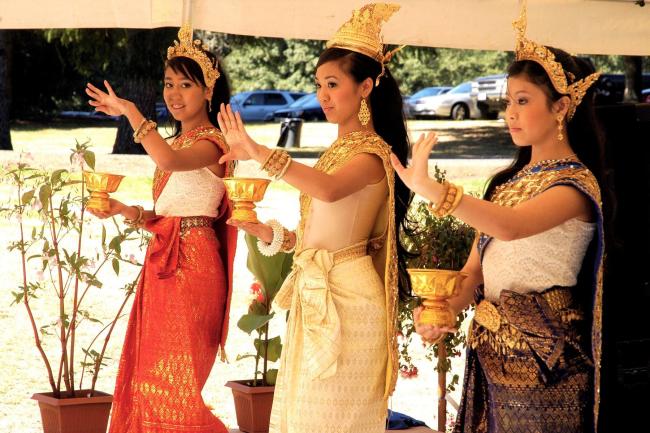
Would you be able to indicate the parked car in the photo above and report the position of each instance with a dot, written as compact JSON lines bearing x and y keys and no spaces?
{"x":610,"y":88}
{"x":259,"y":105}
{"x":488,"y":93}
{"x":94,"y":115}
{"x":416,"y":104}
{"x":456,"y":104}
{"x":307,"y":108}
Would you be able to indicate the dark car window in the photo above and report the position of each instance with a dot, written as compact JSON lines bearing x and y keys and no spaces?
{"x":429,"y":91}
{"x":296,"y":96}
{"x":255,"y":99}
{"x":461,"y":88}
{"x":274,"y":99}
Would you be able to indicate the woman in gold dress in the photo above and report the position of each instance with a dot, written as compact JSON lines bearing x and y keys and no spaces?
{"x":535,"y":272}
{"x":339,"y":360}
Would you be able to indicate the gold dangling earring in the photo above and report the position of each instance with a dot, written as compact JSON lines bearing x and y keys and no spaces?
{"x":210,"y":106}
{"x":560,"y":136}
{"x":364,"y":113}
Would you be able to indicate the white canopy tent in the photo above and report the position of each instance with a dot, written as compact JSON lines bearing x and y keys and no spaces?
{"x":579,"y":26}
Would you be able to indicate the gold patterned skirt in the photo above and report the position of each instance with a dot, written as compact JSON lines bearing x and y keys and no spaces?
{"x":526,"y":368}
{"x":333,"y":364}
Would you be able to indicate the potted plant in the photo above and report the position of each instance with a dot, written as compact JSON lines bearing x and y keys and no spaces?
{"x":254,"y":397}
{"x":437,"y":243}
{"x":58,"y":274}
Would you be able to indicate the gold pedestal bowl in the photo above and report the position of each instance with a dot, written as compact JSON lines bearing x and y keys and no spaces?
{"x":244,"y":192}
{"x":436,"y":286}
{"x":100,"y":185}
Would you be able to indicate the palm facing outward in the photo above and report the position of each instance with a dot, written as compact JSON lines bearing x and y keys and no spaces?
{"x":108,"y":103}
{"x":416,"y":175}
{"x":242,"y":146}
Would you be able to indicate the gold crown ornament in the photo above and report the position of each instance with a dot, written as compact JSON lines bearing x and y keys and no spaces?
{"x":525,"y":49}
{"x":362,"y":33}
{"x":195,"y":50}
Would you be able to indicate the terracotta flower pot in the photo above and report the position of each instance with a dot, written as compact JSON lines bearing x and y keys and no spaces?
{"x":74,"y":415}
{"x":252,"y":405}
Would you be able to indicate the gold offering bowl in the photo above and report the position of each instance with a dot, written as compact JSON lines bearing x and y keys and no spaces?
{"x":244,"y":191}
{"x":435,"y":286}
{"x":100,"y":185}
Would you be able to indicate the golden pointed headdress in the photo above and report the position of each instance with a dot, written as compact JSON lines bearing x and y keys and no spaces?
{"x":525,"y":49}
{"x":362,"y":33}
{"x":195,"y":50}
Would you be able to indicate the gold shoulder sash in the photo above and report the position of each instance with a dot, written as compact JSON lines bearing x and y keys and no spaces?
{"x":385,"y":258}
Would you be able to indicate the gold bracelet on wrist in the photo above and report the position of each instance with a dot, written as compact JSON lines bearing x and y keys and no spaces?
{"x":142,"y":132}
{"x":284,"y":169}
{"x":136,"y":131}
{"x":286,"y":242}
{"x":137,"y":221}
{"x":433,"y":208}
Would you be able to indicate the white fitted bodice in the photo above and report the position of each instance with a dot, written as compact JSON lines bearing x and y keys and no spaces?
{"x":191,"y":193}
{"x":535,"y":263}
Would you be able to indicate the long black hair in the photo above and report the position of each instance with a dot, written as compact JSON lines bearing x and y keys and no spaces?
{"x":192,"y":71}
{"x":584,"y":132}
{"x":388,"y":120}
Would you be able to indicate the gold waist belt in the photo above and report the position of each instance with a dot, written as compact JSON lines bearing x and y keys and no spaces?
{"x":188,"y":223}
{"x":525,"y":319}
{"x":351,"y":252}
{"x":488,"y":315}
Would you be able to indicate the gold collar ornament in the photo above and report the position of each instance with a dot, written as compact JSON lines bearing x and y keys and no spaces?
{"x":194,"y":50}
{"x":362,"y":33}
{"x":525,"y":49}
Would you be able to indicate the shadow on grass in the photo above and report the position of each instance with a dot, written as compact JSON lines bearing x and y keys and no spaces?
{"x":475,"y":142}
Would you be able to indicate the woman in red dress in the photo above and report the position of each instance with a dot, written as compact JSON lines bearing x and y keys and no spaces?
{"x":179,"y":318}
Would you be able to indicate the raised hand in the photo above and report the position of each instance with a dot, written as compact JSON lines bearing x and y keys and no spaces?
{"x":261,"y":231}
{"x":108,"y":103}
{"x":430,"y":334}
{"x":416,"y":175}
{"x":242,"y":146}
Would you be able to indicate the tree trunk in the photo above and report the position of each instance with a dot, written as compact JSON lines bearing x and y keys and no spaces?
{"x":142,"y":92}
{"x":5,"y":90}
{"x":633,"y":70}
{"x":442,"y":387}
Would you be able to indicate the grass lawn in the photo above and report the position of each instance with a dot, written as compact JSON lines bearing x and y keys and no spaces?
{"x":21,"y":368}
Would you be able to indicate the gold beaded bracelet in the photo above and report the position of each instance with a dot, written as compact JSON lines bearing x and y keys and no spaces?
{"x":276,"y":162}
{"x":450,"y":199}
{"x":145,"y":129}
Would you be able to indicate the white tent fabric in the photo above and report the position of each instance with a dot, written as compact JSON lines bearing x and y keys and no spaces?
{"x":579,"y":26}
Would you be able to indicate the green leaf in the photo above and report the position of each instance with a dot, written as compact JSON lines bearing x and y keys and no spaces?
{"x":89,"y":157}
{"x":116,"y":266}
{"x":27,"y":197}
{"x":56,"y":176}
{"x":44,"y":196}
{"x":274,"y":348}
{"x":248,"y":355}
{"x":115,"y":245}
{"x":250,"y":322}
{"x":272,"y":376}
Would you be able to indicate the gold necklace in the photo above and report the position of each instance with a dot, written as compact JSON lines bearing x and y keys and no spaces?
{"x":528,"y":168}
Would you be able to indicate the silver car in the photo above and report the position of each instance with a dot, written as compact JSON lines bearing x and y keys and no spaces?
{"x":416,"y":104}
{"x":455,"y":104}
